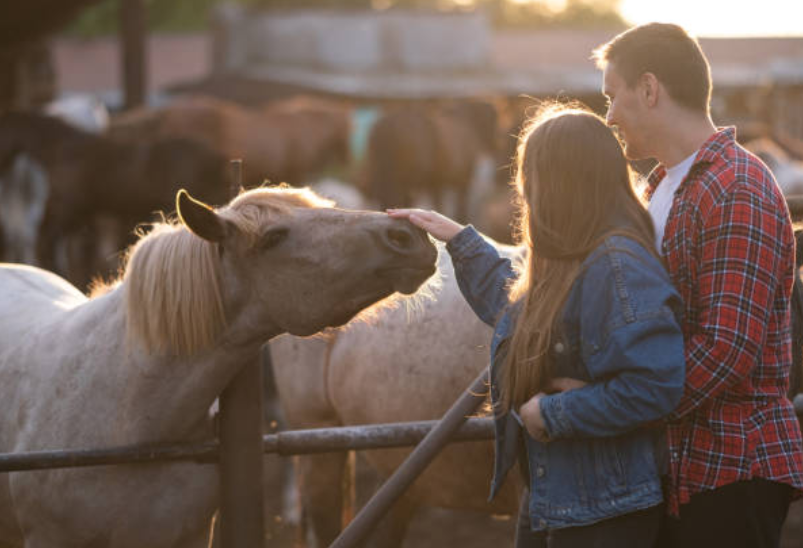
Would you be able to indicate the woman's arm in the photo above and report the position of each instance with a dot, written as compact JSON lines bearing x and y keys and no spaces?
{"x":632,"y":347}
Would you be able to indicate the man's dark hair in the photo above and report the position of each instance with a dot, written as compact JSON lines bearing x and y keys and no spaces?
{"x":668,"y":52}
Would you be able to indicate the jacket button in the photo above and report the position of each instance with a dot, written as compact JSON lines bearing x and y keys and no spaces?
{"x":539,"y":472}
{"x":559,"y":348}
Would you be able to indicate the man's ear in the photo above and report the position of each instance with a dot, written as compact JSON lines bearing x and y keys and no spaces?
{"x":649,"y":88}
{"x":200,"y":218}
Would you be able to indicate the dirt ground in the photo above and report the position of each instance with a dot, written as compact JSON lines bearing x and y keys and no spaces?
{"x":441,"y":528}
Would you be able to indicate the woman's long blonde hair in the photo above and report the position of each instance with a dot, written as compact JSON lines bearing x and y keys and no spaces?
{"x":575,"y":188}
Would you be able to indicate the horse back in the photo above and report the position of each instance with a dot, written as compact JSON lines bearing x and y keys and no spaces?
{"x":30,"y":295}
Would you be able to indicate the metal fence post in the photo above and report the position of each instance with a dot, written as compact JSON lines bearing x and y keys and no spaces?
{"x":241,"y":499}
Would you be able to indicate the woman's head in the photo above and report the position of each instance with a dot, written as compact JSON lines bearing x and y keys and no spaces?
{"x":575,"y":189}
{"x":571,"y":176}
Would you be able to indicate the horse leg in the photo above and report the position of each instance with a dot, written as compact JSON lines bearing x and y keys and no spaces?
{"x":321,"y":487}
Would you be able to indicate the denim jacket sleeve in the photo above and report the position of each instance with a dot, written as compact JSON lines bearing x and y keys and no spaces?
{"x":482,"y":274}
{"x":631,"y":345}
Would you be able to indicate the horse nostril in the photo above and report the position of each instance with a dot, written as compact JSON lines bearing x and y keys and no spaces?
{"x":400,"y":238}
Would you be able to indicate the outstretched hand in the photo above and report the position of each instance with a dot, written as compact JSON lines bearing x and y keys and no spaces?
{"x":439,"y":226}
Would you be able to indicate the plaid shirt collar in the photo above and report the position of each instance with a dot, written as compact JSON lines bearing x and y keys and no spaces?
{"x":711,"y":150}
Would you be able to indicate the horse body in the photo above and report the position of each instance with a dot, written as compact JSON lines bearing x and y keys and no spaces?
{"x":399,"y":366}
{"x":57,"y":398}
{"x":416,"y":151}
{"x":288,"y":141}
{"x":64,"y":181}
{"x":144,"y":362}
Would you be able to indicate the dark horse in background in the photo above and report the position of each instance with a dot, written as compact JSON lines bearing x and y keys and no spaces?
{"x":72,"y":188}
{"x":419,"y":149}
{"x":287,"y":141}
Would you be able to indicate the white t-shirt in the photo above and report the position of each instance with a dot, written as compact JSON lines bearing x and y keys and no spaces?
{"x":661,"y":201}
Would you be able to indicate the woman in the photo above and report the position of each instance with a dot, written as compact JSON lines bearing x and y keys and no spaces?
{"x":587,"y":354}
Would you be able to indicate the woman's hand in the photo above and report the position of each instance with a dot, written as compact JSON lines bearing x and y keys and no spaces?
{"x":533,"y":421}
{"x":563,"y":384}
{"x":439,"y":226}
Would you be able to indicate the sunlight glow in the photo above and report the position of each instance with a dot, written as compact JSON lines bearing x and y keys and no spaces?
{"x":553,"y":5}
{"x":721,"y":17}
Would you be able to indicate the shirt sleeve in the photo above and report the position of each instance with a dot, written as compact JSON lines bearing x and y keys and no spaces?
{"x":632,"y":348}
{"x":483,"y":276}
{"x":740,"y":254}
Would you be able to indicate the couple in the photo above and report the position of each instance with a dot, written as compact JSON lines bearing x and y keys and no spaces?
{"x":641,"y":357}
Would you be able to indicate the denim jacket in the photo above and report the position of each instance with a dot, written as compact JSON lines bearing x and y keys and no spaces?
{"x":619,"y":333}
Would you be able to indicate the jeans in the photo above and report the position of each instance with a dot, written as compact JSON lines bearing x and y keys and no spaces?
{"x":744,"y":514}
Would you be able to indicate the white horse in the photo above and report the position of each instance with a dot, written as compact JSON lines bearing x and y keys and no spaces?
{"x":143,"y":362}
{"x":400,"y":366}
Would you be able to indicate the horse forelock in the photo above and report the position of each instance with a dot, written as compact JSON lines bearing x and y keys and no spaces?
{"x":173,"y":296}
{"x":255,"y":209}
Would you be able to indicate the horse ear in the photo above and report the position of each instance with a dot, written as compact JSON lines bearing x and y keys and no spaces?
{"x":200,"y":218}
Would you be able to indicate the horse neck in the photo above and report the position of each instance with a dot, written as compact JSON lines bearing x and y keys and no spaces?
{"x":168,"y":398}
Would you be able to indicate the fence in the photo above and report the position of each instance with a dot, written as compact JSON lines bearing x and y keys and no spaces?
{"x":430,"y":437}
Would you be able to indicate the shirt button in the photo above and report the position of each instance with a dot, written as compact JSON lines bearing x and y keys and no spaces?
{"x":559,"y":347}
{"x":539,"y":472}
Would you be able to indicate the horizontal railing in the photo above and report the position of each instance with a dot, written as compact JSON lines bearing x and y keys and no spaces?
{"x":292,"y":442}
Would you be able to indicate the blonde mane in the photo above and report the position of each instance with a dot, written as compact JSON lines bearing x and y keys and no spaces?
{"x":172,"y":280}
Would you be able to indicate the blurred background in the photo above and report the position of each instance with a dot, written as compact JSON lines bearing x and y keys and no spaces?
{"x":107,"y":107}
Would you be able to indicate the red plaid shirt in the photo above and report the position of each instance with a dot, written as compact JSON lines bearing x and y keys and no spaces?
{"x":729,"y":249}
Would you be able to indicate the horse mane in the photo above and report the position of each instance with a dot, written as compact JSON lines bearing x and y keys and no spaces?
{"x":172,"y":278}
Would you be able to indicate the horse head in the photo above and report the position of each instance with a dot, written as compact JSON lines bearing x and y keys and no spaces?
{"x":278,"y":258}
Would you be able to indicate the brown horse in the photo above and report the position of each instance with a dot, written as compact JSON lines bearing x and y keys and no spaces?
{"x":80,"y":177}
{"x":288,"y":141}
{"x":419,"y":149}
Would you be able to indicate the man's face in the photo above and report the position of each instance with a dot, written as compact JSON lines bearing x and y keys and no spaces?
{"x":626,"y":113}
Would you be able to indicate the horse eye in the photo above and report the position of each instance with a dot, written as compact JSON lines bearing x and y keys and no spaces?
{"x":273,"y":237}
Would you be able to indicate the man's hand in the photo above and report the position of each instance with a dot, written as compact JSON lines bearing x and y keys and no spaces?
{"x":563,"y":384}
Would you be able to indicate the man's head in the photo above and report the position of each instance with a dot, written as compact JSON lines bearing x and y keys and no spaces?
{"x":650,"y":73}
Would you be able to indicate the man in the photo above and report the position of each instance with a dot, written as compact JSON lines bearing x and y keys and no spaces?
{"x":723,"y":228}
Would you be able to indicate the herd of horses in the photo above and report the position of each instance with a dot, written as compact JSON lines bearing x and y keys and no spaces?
{"x":70,"y":197}
{"x":144,"y":357}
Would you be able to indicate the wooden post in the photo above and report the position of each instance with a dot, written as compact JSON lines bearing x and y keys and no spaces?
{"x":241,"y":501}
{"x":133,"y":52}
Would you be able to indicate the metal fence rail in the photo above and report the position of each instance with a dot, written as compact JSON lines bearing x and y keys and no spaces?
{"x":293,"y":442}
